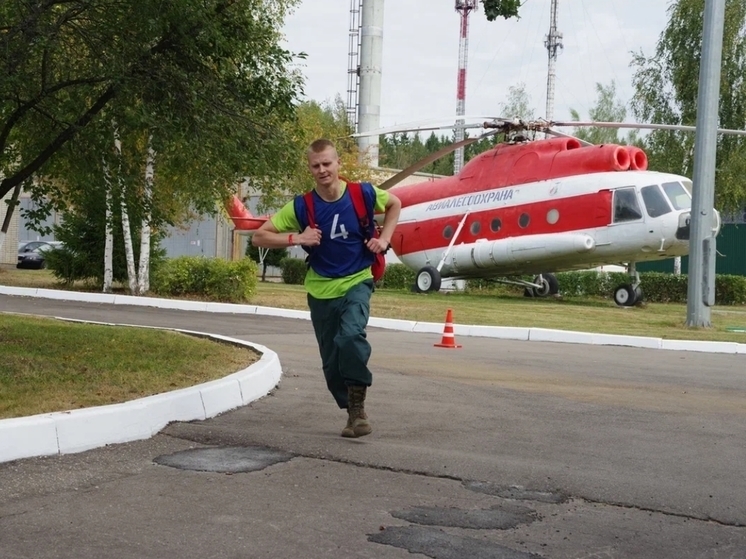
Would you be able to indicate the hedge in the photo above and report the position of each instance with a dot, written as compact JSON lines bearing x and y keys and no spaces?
{"x":215,"y":279}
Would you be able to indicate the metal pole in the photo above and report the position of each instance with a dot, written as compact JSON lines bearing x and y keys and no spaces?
{"x":701,"y":286}
{"x":371,"y":55}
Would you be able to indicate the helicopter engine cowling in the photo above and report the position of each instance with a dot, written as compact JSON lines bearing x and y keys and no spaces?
{"x":638,"y":159}
{"x":506,"y":252}
{"x":590,"y":159}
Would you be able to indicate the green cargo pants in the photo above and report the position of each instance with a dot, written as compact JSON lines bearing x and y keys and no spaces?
{"x":339,"y":325}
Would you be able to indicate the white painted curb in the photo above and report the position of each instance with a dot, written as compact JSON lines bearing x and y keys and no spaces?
{"x":499,"y":332}
{"x":84,"y":429}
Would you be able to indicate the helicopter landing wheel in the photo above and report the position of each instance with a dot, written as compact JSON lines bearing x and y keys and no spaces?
{"x":626,"y":295}
{"x":549,"y":285}
{"x":427,"y":279}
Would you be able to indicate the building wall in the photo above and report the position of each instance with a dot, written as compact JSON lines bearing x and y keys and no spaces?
{"x":9,"y":253}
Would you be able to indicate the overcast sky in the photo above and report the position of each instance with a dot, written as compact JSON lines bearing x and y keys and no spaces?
{"x":420,"y":54}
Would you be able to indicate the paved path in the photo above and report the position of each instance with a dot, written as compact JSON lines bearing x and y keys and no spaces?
{"x":499,"y":449}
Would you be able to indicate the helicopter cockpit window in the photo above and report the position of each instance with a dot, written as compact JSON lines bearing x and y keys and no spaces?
{"x":626,"y":206}
{"x":678,"y":195}
{"x":655,"y":202}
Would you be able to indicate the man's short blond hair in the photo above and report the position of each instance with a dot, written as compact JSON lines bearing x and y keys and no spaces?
{"x":322,"y":144}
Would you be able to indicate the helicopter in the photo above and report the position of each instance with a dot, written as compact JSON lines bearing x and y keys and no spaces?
{"x":535,"y":207}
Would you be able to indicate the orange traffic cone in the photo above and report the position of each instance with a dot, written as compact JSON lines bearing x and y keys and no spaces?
{"x":448,"y":339}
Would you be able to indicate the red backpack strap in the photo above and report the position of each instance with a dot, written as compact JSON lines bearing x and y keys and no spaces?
{"x":308,"y":199}
{"x":358,"y":201}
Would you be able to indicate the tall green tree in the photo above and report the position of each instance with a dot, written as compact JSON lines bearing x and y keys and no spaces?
{"x":608,"y":108}
{"x":666,"y":89}
{"x":209,"y":75}
{"x":494,"y":9}
{"x":313,"y":120}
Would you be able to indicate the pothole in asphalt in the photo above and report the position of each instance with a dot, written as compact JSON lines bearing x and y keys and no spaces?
{"x":442,"y":545}
{"x":515,"y":492}
{"x":498,"y":517}
{"x":224,"y":459}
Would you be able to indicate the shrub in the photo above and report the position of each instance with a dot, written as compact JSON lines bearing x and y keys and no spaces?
{"x":293,"y":271}
{"x":397,"y":276}
{"x":657,"y":287}
{"x":214,"y":279}
{"x":66,"y":265}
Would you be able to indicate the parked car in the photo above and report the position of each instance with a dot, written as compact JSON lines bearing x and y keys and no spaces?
{"x":31,"y":255}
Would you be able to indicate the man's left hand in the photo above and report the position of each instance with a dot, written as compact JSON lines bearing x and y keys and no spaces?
{"x":377,"y":245}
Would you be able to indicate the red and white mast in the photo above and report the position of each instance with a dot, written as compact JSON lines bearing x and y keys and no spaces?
{"x":464,"y":7}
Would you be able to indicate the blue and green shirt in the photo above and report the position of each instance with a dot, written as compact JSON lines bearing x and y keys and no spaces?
{"x":337,"y":264}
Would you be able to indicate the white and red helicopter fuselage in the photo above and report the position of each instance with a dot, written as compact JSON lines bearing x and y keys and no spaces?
{"x":541,"y":207}
{"x":533,"y":208}
{"x":557,"y":224}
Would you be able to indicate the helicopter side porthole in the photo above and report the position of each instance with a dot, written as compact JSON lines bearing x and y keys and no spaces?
{"x":448,"y":232}
{"x":524,"y":220}
{"x":553,"y":216}
{"x":495,"y":225}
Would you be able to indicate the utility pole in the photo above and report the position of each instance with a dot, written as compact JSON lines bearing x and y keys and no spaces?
{"x":553,"y":42}
{"x":464,"y":7}
{"x":371,"y":56}
{"x":702,"y":249}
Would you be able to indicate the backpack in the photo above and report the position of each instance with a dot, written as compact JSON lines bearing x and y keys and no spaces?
{"x":365,"y":218}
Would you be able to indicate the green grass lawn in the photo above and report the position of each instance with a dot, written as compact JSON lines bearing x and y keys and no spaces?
{"x":502,"y":309}
{"x":50,"y":365}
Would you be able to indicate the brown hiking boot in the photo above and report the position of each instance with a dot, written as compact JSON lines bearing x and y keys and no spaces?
{"x":357,"y":421}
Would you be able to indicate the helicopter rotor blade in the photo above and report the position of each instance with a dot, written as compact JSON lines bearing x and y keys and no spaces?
{"x":638,"y":126}
{"x":401,"y":175}
{"x":413,"y":127}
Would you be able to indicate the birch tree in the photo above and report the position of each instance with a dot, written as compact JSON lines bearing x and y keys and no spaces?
{"x":666,"y":90}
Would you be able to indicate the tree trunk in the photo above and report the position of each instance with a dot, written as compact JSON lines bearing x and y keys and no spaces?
{"x":109,"y":241}
{"x":129,"y":254}
{"x":144,"y":267}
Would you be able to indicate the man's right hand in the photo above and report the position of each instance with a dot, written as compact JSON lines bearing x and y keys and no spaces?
{"x":311,"y":237}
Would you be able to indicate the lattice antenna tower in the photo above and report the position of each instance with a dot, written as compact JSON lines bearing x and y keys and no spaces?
{"x":553,"y":42}
{"x":353,"y":68}
{"x":464,"y":8}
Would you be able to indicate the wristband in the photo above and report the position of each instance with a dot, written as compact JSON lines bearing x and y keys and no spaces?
{"x":290,"y":239}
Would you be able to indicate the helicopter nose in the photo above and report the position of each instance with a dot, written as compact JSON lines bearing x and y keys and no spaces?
{"x":685,"y":222}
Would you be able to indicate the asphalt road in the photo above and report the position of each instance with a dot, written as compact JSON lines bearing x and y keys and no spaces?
{"x":499,"y":449}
